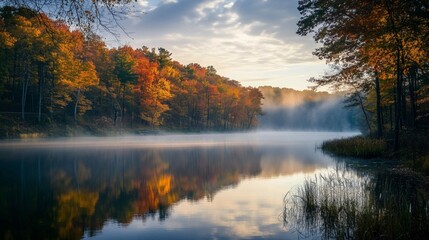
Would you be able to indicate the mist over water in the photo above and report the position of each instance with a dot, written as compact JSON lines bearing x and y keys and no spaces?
{"x":288,"y":109}
{"x":327,"y":115}
{"x":258,"y":138}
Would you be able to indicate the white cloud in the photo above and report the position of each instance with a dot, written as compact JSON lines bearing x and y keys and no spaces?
{"x":169,"y":1}
{"x":238,"y":37}
{"x":143,"y":3}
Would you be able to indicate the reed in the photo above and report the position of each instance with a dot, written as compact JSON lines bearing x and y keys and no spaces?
{"x":336,"y":207}
{"x":359,"y":146}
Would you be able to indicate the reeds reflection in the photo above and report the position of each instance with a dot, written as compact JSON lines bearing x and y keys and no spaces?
{"x":342,"y":205}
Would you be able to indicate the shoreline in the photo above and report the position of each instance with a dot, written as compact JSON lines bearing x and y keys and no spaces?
{"x":413,"y":153}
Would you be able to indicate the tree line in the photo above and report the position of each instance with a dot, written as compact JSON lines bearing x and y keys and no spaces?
{"x":50,"y":73}
{"x":379,"y":51}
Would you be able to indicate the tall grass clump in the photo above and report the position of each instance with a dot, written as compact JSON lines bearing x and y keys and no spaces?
{"x":337,"y":207}
{"x":359,"y":146}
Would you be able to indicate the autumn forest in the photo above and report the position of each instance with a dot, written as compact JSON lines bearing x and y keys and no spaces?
{"x":379,"y":54}
{"x":52,"y":75}
{"x":125,"y":142}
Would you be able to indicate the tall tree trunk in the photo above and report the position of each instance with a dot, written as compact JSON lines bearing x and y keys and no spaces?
{"x":25,"y":81}
{"x":412,"y":87}
{"x":75,"y":105}
{"x":398,"y":101}
{"x":51,"y":96}
{"x":404,"y":118}
{"x":379,"y":113}
{"x":399,"y":72}
{"x":123,"y":104}
{"x":364,"y":113}
{"x":391,"y":117}
{"x":15,"y":74}
{"x":251,"y":116}
{"x":41,"y":83}
{"x":360,"y":100}
{"x":208,"y":108}
{"x":132,"y":119}
{"x":32,"y":91}
{"x":115,"y":117}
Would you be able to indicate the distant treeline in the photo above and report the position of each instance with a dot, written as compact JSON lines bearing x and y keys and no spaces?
{"x":285,"y":108}
{"x":52,"y":74}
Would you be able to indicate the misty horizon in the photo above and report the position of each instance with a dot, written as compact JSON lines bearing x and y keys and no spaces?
{"x":289,"y":109}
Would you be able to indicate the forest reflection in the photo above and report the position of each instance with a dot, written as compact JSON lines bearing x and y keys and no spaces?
{"x":63,"y":193}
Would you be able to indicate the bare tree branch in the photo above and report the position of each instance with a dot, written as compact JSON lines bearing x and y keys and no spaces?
{"x":85,"y":15}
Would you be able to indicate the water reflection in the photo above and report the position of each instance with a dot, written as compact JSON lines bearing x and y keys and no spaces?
{"x":74,"y":189}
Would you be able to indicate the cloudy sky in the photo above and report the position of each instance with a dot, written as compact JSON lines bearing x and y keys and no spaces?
{"x":251,"y":41}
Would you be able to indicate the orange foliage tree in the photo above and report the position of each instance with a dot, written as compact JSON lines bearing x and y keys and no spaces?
{"x":76,"y":73}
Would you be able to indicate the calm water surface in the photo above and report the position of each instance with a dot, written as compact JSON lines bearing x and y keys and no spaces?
{"x":208,"y":186}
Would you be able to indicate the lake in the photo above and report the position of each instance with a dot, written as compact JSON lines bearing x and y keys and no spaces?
{"x":193,"y":186}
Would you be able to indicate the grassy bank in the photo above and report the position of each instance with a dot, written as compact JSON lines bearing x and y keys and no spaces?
{"x":413,"y":151}
{"x":15,"y":128}
{"x":359,"y":146}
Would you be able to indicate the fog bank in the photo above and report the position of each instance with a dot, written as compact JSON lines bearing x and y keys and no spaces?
{"x":290,"y":109}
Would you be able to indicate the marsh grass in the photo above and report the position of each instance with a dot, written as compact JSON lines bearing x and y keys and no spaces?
{"x":359,"y":146}
{"x":413,"y":151}
{"x":337,"y":207}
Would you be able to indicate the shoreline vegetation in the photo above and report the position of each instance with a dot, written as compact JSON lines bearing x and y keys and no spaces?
{"x":413,"y":152}
{"x":15,"y":128}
